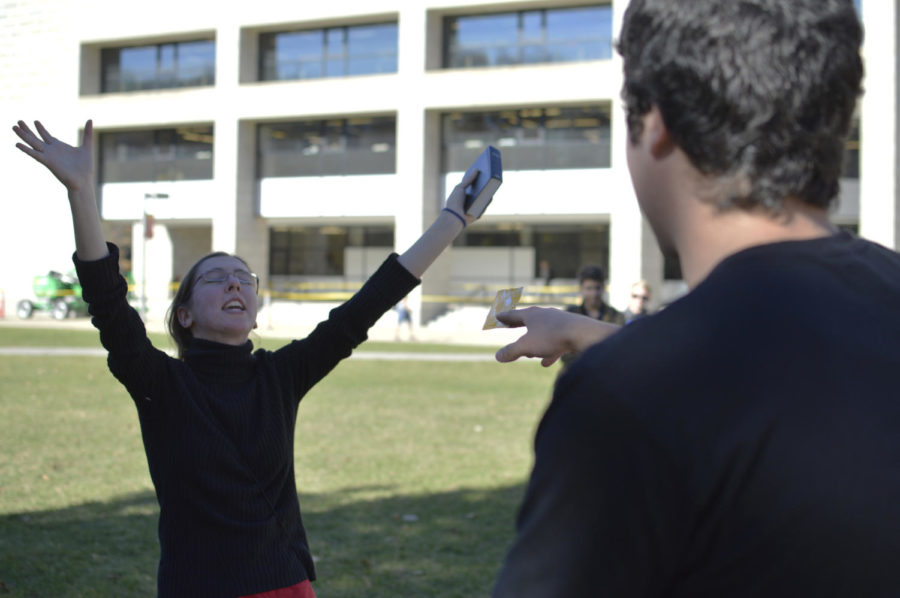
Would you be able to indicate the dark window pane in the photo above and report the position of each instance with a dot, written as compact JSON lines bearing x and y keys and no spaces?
{"x":487,"y":30}
{"x":527,"y":37}
{"x":138,"y":67}
{"x":533,"y":26}
{"x":566,"y":248}
{"x":334,"y":147}
{"x":196,"y":63}
{"x":378,"y":236}
{"x":473,"y":41}
{"x":530,"y":139}
{"x":160,"y":66}
{"x":372,"y":49}
{"x":333,"y":52}
{"x":672,"y":268}
{"x":178,"y":154}
{"x":319,"y":251}
{"x":165,"y":70}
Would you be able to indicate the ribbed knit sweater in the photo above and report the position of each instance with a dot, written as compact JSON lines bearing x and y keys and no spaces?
{"x":218,"y":432}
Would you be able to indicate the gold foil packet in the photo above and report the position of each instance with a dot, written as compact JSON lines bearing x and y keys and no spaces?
{"x":505,"y":300}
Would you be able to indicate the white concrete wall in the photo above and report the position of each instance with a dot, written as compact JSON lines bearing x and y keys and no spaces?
{"x":879,"y":204}
{"x":38,"y":79}
{"x":187,"y":200}
{"x":364,"y":196}
{"x":49,"y":69}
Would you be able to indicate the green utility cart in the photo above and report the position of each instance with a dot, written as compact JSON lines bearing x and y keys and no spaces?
{"x":57,"y":293}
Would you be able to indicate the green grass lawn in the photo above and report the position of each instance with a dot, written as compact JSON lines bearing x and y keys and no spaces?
{"x":409,"y":474}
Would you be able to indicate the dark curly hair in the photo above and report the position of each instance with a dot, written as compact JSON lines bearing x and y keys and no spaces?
{"x":591,"y":272}
{"x":759,"y":93}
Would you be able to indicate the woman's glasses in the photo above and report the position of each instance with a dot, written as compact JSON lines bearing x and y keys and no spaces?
{"x":219,"y":276}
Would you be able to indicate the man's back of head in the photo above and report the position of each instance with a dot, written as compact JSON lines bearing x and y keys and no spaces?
{"x":759,"y":94}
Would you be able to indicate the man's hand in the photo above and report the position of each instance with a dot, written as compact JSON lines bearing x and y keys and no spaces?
{"x":551,"y":334}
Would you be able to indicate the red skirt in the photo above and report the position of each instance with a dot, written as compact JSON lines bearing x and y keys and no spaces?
{"x":301,"y":590}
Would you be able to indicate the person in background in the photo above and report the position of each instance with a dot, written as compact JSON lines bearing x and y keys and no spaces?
{"x":638,"y":302}
{"x":404,"y":316}
{"x":592,"y":287}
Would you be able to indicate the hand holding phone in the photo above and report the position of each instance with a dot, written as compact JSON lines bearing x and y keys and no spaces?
{"x":490,"y":177}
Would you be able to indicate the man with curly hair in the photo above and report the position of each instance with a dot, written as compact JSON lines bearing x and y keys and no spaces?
{"x":744,"y":441}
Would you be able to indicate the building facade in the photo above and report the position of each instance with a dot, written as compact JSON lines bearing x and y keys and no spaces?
{"x":314,"y":139}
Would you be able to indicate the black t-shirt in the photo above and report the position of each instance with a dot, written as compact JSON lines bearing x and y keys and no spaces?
{"x":745,"y":441}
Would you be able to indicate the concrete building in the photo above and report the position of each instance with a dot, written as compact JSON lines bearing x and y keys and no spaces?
{"x":312,"y":139}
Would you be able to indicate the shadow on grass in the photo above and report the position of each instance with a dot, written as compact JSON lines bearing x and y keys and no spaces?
{"x":445,"y":545}
{"x":92,"y":549}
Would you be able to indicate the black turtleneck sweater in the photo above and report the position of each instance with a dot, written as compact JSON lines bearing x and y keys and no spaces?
{"x":218,"y":431}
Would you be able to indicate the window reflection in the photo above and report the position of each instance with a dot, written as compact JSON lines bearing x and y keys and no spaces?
{"x":343,"y":146}
{"x":333,"y":52}
{"x":530,"y":139}
{"x":158,"y":66}
{"x":563,"y":247}
{"x":528,"y":37}
{"x":319,"y":251}
{"x":183,"y":153}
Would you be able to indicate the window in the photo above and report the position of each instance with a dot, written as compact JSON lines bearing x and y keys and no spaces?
{"x":489,"y":238}
{"x":158,"y":66}
{"x":564,"y":247}
{"x":531,"y":138}
{"x":342,"y":146}
{"x":333,"y":52}
{"x":183,"y":153}
{"x":319,"y":251}
{"x":528,"y":37}
{"x":672,"y":267}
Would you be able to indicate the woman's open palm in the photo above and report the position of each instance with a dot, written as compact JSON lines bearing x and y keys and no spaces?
{"x":73,"y":166}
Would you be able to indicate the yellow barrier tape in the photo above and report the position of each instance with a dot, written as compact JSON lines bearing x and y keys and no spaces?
{"x":456,"y":299}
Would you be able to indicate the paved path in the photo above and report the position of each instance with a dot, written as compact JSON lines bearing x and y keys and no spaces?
{"x":494,"y":339}
{"x":359,"y":355}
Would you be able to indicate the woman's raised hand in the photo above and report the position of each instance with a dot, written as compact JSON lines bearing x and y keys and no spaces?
{"x":457,"y":198}
{"x":72,"y":166}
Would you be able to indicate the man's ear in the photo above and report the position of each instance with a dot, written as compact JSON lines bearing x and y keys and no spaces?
{"x":184,"y":317}
{"x":660,"y":140}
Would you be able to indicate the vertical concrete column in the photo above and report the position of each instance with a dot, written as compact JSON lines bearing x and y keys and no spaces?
{"x":155,"y":267}
{"x":420,"y":189}
{"x":237,"y":227}
{"x":633,"y":252}
{"x":879,"y":202}
{"x":225,"y":135}
{"x":252,"y":233}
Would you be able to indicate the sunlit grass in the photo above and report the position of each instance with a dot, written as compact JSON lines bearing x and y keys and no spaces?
{"x":409,"y":475}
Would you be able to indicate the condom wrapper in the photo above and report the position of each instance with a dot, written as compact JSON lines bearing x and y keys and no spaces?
{"x":505,"y":300}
